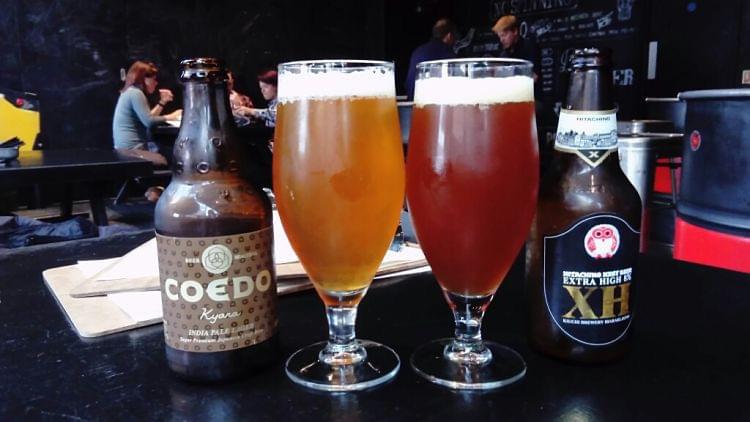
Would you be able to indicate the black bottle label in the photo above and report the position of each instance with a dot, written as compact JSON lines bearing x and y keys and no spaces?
{"x":218,"y":293}
{"x":592,"y":135}
{"x":589,"y":271}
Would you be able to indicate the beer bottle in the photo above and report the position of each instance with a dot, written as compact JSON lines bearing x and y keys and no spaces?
{"x":583,"y":247}
{"x":215,"y":242}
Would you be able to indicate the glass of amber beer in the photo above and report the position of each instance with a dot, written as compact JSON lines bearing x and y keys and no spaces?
{"x":338,"y":176}
{"x":472,"y":181}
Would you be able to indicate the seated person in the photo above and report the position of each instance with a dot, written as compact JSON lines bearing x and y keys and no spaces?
{"x":133,"y":117}
{"x":268,"y":83}
{"x":237,"y":101}
{"x":260,"y":138}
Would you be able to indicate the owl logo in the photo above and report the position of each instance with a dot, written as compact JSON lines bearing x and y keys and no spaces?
{"x":602,"y":241}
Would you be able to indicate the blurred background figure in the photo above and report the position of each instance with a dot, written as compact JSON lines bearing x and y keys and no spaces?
{"x":259,"y":133}
{"x":439,"y":47}
{"x":513,"y":44}
{"x":237,"y":102}
{"x":268,"y":83}
{"x":235,"y":98}
{"x":133,"y":117}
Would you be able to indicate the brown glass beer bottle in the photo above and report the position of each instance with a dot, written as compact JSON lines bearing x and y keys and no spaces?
{"x":583,"y":247}
{"x":215,"y":243}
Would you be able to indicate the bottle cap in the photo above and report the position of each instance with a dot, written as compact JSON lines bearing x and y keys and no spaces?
{"x":590,"y":57}
{"x":203,"y":69}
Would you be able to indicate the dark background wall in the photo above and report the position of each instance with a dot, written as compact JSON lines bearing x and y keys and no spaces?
{"x":70,"y":52}
{"x":699,"y":45}
{"x":702,"y":44}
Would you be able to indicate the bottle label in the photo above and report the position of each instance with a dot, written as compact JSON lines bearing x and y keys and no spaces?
{"x":592,"y":135}
{"x":588,"y":277}
{"x":218,"y":293}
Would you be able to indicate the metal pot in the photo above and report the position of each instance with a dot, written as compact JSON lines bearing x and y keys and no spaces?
{"x":635,"y":127}
{"x":671,"y":109}
{"x":638,"y":154}
{"x":715,"y":184}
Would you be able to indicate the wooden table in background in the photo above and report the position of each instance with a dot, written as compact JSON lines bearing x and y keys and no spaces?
{"x":91,"y":167}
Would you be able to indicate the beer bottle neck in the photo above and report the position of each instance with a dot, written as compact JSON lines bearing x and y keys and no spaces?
{"x":590,"y":89}
{"x":207,"y":141}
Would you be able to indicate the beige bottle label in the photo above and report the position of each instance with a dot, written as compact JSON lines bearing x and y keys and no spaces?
{"x":218,"y":293}
{"x":592,"y":135}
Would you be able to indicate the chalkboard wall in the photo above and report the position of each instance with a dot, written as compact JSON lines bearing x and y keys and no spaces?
{"x":70,"y":52}
{"x":558,"y":27}
{"x":700,"y":44}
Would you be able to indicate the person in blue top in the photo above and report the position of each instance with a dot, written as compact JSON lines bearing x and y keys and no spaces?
{"x":439,"y":47}
{"x":133,"y":116}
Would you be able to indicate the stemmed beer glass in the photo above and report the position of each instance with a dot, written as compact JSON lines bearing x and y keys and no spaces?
{"x":472,"y":181}
{"x":338,"y":175}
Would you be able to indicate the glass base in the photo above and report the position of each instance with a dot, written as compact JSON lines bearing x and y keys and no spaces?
{"x":367,"y":366}
{"x":496,"y":366}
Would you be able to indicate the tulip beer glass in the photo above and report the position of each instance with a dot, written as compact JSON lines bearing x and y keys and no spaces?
{"x":472,"y":180}
{"x":338,"y":176}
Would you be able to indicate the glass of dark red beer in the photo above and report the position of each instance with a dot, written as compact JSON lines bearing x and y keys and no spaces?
{"x":472,"y":181}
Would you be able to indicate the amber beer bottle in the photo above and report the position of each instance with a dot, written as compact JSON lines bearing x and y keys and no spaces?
{"x":583,"y":247}
{"x":215,"y":242}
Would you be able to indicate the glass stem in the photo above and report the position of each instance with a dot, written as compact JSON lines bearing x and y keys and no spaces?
{"x":341,"y":325}
{"x":342,"y":348}
{"x":467,"y":347}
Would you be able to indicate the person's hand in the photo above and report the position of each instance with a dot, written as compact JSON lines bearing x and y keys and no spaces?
{"x":165,"y":96}
{"x":234,"y":101}
{"x":245,"y":111}
{"x":175,"y":115}
{"x":245,"y":101}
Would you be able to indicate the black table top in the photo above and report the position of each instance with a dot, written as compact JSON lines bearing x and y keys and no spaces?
{"x":71,"y":165}
{"x":691,"y":357}
{"x":164,"y":129}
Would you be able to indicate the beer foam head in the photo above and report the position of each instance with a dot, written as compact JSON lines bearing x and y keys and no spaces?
{"x":366,"y":81}
{"x":461,"y":90}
